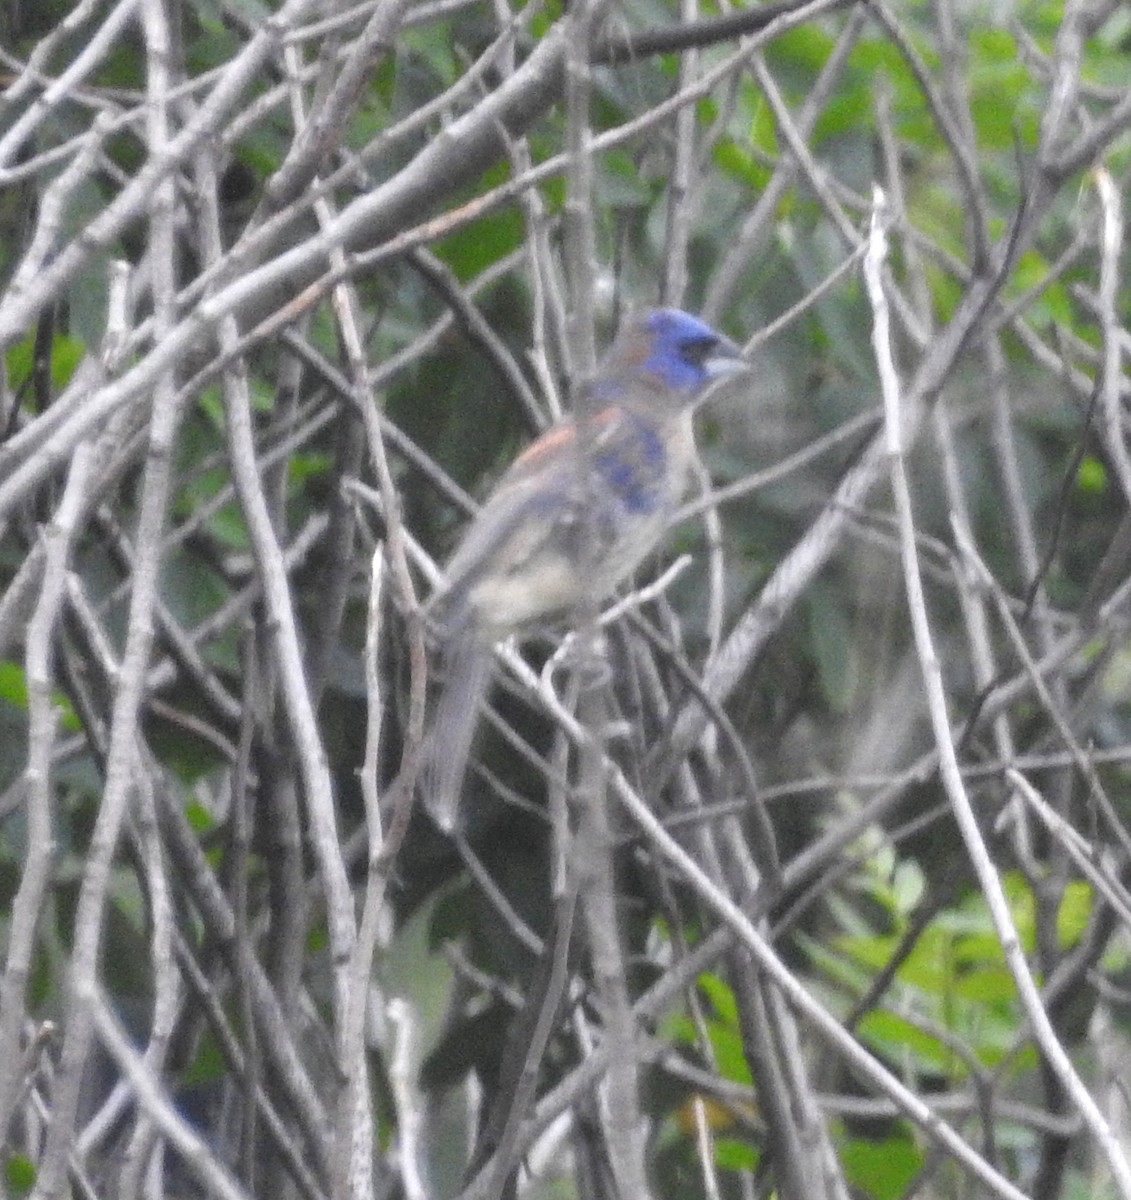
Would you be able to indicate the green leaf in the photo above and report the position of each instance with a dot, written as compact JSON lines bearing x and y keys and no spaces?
{"x":907,"y":887}
{"x":721,"y":997}
{"x":989,"y":984}
{"x":733,"y":1155}
{"x":229,"y":527}
{"x":806,"y":46}
{"x":881,"y":1169}
{"x":66,"y":352}
{"x":763,"y":130}
{"x":619,"y":183}
{"x":262,"y":394}
{"x":13,"y":684}
{"x":1053,"y":305}
{"x":996,"y":70}
{"x":211,"y":404}
{"x":736,"y":162}
{"x":301,"y":467}
{"x":18,"y":360}
{"x":13,"y":688}
{"x":726,"y":1042}
{"x":1073,"y":914}
{"x":434,"y":44}
{"x":19,"y":1174}
{"x":1091,"y":476}
{"x":218,"y":44}
{"x":1022,"y":907}
{"x":851,"y":114}
{"x":207,"y":1065}
{"x":730,"y":1054}
{"x":471,"y":250}
{"x":198,"y":817}
{"x":899,"y":1038}
{"x":872,"y":951}
{"x":977,"y":949}
{"x":930,"y":965}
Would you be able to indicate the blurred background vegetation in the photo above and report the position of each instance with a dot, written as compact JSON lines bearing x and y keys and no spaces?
{"x":331,"y":213}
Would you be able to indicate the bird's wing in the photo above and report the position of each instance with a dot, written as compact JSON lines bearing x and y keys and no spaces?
{"x":526,"y":511}
{"x":558,"y":510}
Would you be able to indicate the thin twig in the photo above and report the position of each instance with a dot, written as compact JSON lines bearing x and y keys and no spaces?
{"x":988,"y":879}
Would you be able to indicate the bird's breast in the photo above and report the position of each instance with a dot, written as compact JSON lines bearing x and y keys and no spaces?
{"x":576,"y":535}
{"x":640,"y":466}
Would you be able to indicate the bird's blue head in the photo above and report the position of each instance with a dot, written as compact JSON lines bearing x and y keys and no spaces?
{"x":678,"y":350}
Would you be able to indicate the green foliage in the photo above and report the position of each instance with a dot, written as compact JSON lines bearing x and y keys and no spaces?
{"x":997,"y":71}
{"x":13,"y":691}
{"x":19,"y":1174}
{"x":881,"y":1169}
{"x":1076,"y":908}
{"x":474,"y":248}
{"x":953,"y":977}
{"x":207,"y":1066}
{"x":1091,"y":476}
{"x":13,"y":684}
{"x":732,"y":1155}
{"x":66,"y":353}
{"x":1012,"y":438}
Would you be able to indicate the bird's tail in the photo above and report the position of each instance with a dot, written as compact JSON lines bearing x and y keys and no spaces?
{"x":467,"y":673}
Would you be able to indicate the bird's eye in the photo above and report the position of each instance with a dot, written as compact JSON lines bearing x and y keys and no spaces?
{"x":695,"y":350}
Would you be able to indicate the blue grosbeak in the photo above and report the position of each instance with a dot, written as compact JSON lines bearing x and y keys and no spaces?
{"x":574,"y":514}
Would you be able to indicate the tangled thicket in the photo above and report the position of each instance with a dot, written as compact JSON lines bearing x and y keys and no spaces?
{"x":821,"y":886}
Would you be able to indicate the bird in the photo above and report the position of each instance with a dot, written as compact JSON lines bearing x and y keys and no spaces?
{"x":570,"y":519}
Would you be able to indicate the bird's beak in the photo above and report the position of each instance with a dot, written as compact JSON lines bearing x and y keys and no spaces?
{"x":725,"y":359}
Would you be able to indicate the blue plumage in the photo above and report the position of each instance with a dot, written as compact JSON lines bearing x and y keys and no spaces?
{"x":574,"y":514}
{"x":634,"y":470}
